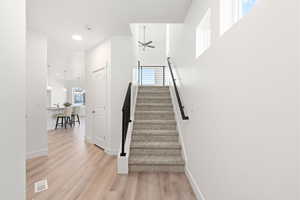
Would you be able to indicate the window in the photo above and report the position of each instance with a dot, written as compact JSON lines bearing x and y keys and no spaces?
{"x":232,"y":11}
{"x":78,"y":96}
{"x":247,"y":5}
{"x":148,"y":76}
{"x":203,"y":34}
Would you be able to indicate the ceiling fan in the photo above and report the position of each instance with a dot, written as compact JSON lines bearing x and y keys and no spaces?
{"x":145,"y":44}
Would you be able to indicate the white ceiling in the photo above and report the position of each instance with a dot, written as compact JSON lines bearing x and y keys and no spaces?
{"x":60,"y":19}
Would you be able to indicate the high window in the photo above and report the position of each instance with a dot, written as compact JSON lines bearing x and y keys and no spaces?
{"x":203,"y":34}
{"x":232,"y":11}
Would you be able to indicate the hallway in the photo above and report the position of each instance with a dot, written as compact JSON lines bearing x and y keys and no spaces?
{"x":78,"y":170}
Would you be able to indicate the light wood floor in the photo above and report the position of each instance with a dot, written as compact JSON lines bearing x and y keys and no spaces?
{"x":78,"y":170}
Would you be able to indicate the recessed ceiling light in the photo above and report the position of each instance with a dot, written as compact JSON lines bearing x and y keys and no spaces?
{"x":76,"y":37}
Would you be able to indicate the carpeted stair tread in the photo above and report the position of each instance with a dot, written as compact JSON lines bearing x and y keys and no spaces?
{"x":156,"y":92}
{"x":154,"y":97}
{"x":154,"y":112}
{"x":153,"y":87}
{"x":155,"y":132}
{"x":157,"y":168}
{"x":155,"y":115}
{"x":157,"y":138}
{"x":155,"y":144}
{"x":154,"y":107}
{"x":159,"y":152}
{"x":154,"y":124}
{"x":154,"y":104}
{"x":156,"y":160}
{"x":155,"y":121}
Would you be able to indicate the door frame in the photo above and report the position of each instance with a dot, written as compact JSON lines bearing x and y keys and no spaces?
{"x":92,"y":108}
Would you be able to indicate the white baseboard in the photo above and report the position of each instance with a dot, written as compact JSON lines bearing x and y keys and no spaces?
{"x":34,"y":154}
{"x":122,"y":164}
{"x":194,"y":184}
{"x":89,"y":140}
{"x":107,"y":150}
{"x":112,"y":152}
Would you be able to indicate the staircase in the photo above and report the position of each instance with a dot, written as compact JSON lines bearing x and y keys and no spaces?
{"x":155,"y":146}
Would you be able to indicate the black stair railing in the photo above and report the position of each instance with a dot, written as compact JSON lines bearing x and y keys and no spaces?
{"x":181,"y":107}
{"x":126,"y":111}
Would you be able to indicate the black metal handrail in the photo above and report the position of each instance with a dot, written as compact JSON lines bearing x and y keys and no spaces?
{"x":126,"y":111}
{"x":181,"y":107}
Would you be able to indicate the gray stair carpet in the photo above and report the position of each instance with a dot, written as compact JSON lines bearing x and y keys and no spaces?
{"x":155,"y":146}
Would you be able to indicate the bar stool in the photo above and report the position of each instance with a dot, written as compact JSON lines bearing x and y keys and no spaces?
{"x":59,"y":116}
{"x":75,"y":114}
{"x":65,"y":118}
{"x":68,"y":116}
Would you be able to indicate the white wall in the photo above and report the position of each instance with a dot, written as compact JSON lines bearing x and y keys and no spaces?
{"x":12,"y":118}
{"x":76,"y":66}
{"x":155,"y":33}
{"x":57,"y":60}
{"x":122,"y":63}
{"x":66,"y":69}
{"x":36,"y":83}
{"x":242,"y":97}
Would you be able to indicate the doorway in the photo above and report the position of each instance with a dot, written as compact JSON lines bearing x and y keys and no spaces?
{"x":97,"y":99}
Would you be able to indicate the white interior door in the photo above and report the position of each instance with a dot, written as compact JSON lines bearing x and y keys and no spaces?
{"x":99,"y":118}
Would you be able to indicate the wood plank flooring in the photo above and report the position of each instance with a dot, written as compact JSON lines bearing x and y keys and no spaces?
{"x":76,"y":170}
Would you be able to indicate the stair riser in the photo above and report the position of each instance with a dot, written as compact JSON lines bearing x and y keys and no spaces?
{"x":142,"y":100}
{"x":167,"y":152}
{"x":154,"y":108}
{"x":154,"y":138}
{"x":153,"y":133}
{"x":152,"y":116}
{"x":162,"y":90}
{"x":156,"y":87}
{"x":156,"y":168}
{"x":153,"y":88}
{"x":154,"y":126}
{"x":154,"y":94}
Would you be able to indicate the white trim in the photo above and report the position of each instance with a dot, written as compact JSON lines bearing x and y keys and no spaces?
{"x":34,"y":154}
{"x":199,"y":195}
{"x":123,"y":164}
{"x":134,"y":99}
{"x":112,"y":152}
{"x":123,"y":160}
{"x":178,"y":120}
{"x":89,"y":140}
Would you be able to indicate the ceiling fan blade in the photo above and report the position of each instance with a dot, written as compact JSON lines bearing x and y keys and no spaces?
{"x":141,"y":43}
{"x":147,"y":43}
{"x":150,"y":46}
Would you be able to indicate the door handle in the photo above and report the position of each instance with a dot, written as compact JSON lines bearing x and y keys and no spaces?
{"x":93,"y":112}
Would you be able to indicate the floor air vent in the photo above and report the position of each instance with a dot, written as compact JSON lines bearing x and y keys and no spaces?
{"x":41,"y":186}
